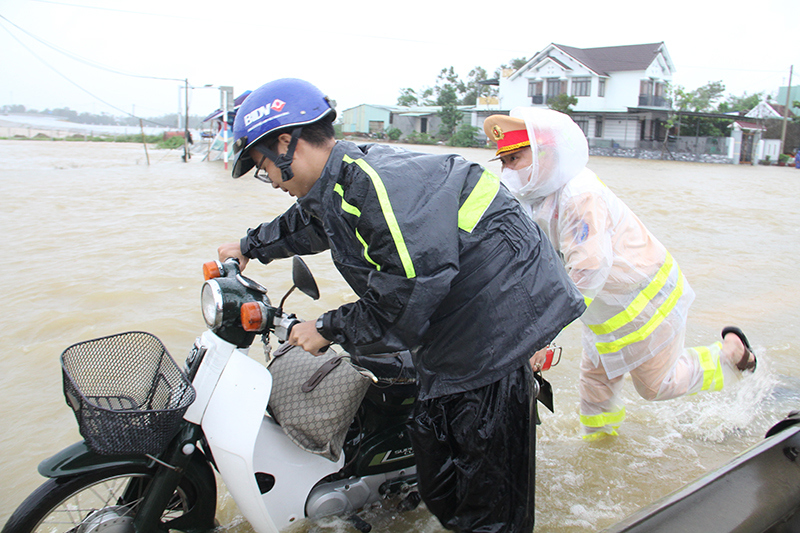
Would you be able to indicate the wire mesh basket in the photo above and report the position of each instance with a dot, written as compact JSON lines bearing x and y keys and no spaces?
{"x":128,"y":394}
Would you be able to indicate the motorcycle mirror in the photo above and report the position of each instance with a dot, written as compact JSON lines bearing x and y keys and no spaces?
{"x":303,"y":279}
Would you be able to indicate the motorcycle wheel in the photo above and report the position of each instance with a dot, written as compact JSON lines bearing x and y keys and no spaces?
{"x":105,"y":500}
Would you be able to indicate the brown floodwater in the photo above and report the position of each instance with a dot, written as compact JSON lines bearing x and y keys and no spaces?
{"x":97,"y":242}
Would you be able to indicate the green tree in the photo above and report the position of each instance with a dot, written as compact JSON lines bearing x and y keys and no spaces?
{"x":474,"y":89}
{"x":13,"y":108}
{"x":449,"y":114}
{"x":408,"y":97}
{"x":448,"y":87}
{"x":562,"y":103}
{"x":745,"y":103}
{"x":514,"y":64}
{"x":699,"y":100}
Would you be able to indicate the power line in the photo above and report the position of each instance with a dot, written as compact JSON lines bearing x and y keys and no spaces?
{"x":73,"y":82}
{"x":117,"y":10}
{"x":83,"y":60}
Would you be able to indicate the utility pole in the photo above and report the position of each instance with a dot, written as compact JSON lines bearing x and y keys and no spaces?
{"x":225,"y":102}
{"x":786,"y":110}
{"x":186,"y":155}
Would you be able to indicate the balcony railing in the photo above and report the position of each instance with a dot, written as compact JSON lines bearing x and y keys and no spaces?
{"x":647,"y":100}
{"x":537,"y":99}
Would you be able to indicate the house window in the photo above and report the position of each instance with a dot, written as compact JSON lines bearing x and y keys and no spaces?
{"x":583,"y":123}
{"x":555,"y":87}
{"x":423,"y":125}
{"x":645,"y":88}
{"x":598,"y":127}
{"x":601,"y":87}
{"x":581,"y":86}
{"x":534,"y":88}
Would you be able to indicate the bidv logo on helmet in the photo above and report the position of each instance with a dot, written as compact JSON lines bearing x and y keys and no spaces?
{"x":263,"y":111}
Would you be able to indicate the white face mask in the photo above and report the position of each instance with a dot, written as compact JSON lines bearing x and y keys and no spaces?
{"x":516,"y":180}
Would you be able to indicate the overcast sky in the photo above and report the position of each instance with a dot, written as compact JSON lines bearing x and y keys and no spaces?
{"x":75,"y":53}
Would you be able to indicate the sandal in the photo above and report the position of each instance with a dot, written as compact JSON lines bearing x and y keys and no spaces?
{"x":744,"y":364}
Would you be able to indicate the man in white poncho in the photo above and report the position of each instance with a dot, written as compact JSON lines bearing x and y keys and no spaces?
{"x":637,"y":297}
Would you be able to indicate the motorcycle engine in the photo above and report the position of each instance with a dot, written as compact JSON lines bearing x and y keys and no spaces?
{"x":343,"y":497}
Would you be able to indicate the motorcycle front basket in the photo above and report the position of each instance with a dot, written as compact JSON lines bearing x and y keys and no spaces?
{"x":128,"y":394}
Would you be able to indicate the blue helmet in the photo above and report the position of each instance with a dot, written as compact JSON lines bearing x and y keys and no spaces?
{"x":280,"y":106}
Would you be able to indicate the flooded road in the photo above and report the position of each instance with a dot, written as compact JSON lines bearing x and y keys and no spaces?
{"x":97,"y":242}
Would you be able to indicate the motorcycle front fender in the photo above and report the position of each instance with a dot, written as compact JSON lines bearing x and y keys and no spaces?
{"x":79,"y":459}
{"x":267,"y":475}
{"x":231,"y":423}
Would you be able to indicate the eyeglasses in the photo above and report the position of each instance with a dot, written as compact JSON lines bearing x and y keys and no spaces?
{"x":262,"y":175}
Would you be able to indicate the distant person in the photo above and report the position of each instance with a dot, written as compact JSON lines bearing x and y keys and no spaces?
{"x":637,"y":297}
{"x":446,"y":264}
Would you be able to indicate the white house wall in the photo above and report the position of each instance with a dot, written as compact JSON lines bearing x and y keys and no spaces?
{"x":622,"y":90}
{"x":513,"y":93}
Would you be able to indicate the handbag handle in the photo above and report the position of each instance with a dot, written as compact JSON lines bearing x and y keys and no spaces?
{"x":320,"y":374}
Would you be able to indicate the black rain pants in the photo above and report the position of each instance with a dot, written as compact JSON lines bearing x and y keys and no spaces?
{"x":476,"y":454}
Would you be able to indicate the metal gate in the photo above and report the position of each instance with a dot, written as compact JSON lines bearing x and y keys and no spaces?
{"x":746,"y":154}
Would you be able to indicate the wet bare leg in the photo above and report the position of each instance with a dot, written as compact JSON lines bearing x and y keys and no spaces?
{"x":733,"y":349}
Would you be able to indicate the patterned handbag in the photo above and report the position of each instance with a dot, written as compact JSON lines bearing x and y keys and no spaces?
{"x":314,"y":399}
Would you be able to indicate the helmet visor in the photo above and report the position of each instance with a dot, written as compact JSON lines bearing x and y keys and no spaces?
{"x":242,"y":162}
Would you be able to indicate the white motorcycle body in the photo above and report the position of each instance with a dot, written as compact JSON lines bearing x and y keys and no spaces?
{"x":267,"y":475}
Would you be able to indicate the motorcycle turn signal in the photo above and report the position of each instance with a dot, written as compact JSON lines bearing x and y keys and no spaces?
{"x":255,"y":317}
{"x":211,"y":270}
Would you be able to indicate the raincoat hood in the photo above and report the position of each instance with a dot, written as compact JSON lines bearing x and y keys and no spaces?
{"x":559,"y":150}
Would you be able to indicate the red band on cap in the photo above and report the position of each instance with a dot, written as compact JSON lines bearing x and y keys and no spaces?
{"x":512,"y":140}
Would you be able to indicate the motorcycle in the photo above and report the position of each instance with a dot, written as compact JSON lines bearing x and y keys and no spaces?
{"x":147,"y":459}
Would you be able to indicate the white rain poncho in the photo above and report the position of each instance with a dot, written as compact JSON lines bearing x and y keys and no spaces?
{"x":639,"y":299}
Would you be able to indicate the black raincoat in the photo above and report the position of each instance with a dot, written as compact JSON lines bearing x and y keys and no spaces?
{"x":443,"y":259}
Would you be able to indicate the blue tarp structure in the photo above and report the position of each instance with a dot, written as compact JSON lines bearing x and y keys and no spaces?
{"x":216,"y":115}
{"x":217,"y":148}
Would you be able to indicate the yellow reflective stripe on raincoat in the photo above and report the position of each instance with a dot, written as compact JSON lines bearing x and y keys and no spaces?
{"x":638,"y":304}
{"x":478,"y":201}
{"x":388,"y":214}
{"x":603,"y":419}
{"x":366,"y":252}
{"x":353,"y":210}
{"x":346,"y":207}
{"x":712,"y":372}
{"x":643,"y":332}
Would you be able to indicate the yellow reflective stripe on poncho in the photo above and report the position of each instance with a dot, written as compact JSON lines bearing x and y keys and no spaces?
{"x":597,"y":435}
{"x":388,"y":214}
{"x":643,"y":332}
{"x":604,"y":419}
{"x":712,"y":372}
{"x":638,"y":304}
{"x":478,"y":201}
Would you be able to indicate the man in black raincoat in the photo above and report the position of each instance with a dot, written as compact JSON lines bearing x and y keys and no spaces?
{"x":446,"y":265}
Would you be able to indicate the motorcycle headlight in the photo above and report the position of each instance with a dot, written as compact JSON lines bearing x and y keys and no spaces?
{"x":211,"y":303}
